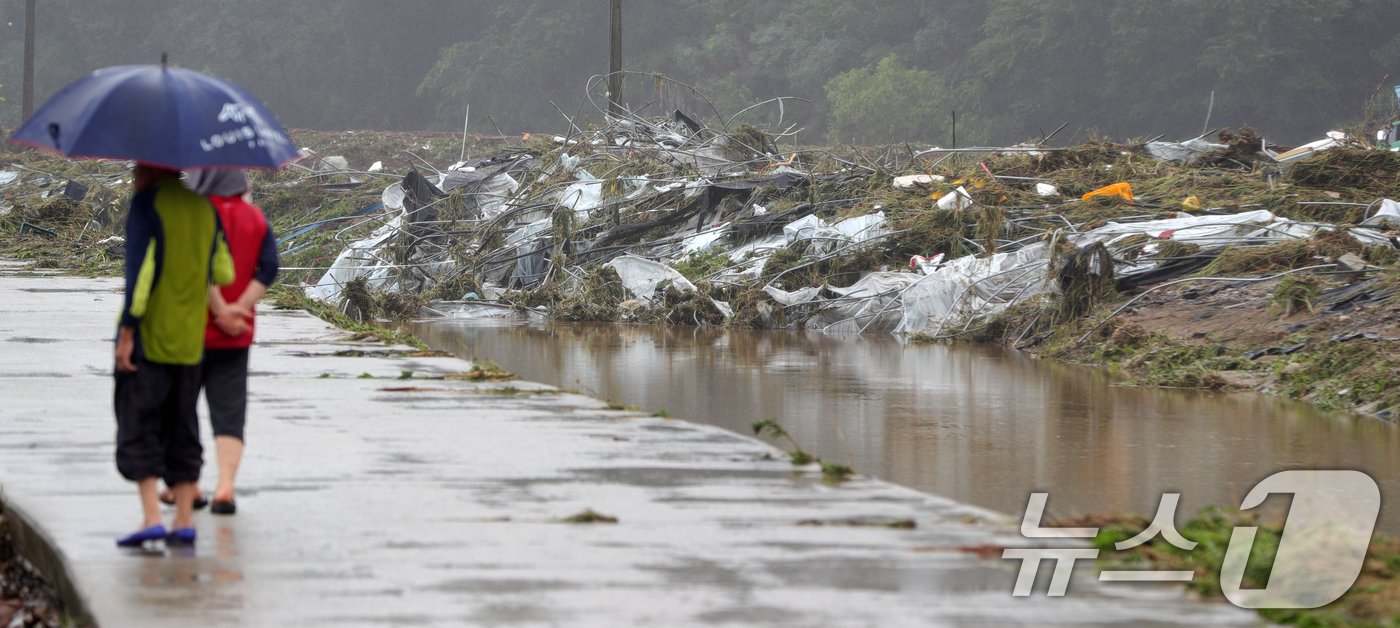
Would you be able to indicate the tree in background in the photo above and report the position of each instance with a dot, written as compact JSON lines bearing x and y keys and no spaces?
{"x":885,"y":103}
{"x":1012,"y":69}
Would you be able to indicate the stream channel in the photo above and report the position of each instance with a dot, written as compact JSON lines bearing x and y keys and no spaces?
{"x":986,"y":426}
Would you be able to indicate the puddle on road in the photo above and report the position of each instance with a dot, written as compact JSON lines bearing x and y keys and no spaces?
{"x":983,"y":426}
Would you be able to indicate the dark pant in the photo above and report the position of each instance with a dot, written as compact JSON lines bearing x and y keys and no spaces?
{"x":157,"y":424}
{"x":225,"y":382}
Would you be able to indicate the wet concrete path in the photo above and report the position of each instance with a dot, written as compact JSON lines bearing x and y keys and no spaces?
{"x":370,"y":499}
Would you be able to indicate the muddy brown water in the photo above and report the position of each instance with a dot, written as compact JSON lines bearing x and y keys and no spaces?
{"x":980,"y":425}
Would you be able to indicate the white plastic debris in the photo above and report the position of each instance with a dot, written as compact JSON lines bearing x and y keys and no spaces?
{"x":1182,"y":152}
{"x":809,"y":228}
{"x":1045,"y":189}
{"x":801,"y":295}
{"x":862,"y":228}
{"x":926,"y":265}
{"x":642,"y":277}
{"x":957,"y":199}
{"x":361,"y":259}
{"x":583,"y":196}
{"x":911,"y":180}
{"x":393,"y":196}
{"x":376,"y":166}
{"x":1333,"y":140}
{"x":7,"y":177}
{"x":704,"y":240}
{"x":539,"y":226}
{"x":1387,"y":216}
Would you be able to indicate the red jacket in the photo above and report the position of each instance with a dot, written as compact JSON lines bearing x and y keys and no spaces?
{"x":254,"y":251}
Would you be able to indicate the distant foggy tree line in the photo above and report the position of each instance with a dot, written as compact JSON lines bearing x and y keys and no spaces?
{"x":857,"y":70}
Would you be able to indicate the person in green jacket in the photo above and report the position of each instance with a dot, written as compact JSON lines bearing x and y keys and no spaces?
{"x":175,"y":249}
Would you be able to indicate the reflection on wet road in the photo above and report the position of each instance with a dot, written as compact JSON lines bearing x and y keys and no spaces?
{"x":979,"y":425}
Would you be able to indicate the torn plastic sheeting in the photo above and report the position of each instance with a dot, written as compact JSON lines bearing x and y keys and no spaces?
{"x":530,"y":266}
{"x":717,"y":191}
{"x":801,"y":295}
{"x":361,"y":259}
{"x":489,"y":190}
{"x":1388,"y":215}
{"x":972,"y":285}
{"x":583,"y":196}
{"x":862,"y":228}
{"x":477,"y":310}
{"x":1182,"y":152}
{"x":760,"y":247}
{"x":808,"y":228}
{"x":1202,"y":230}
{"x":865,"y":305}
{"x":539,"y":226}
{"x":911,"y":180}
{"x":704,"y":241}
{"x":7,"y":177}
{"x":393,"y":196}
{"x":642,"y":276}
{"x":1045,"y":189}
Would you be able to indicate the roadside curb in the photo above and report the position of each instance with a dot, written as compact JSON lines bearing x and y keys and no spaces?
{"x":35,"y":545}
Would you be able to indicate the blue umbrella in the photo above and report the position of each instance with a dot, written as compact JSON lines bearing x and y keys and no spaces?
{"x":170,"y":117}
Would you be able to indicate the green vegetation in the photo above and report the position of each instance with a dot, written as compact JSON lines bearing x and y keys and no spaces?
{"x":1012,"y":70}
{"x":484,"y":371}
{"x":1373,"y":601}
{"x":835,"y":473}
{"x":588,"y":516}
{"x":1295,"y":294}
{"x":701,"y":264}
{"x":286,"y":297}
{"x":831,"y":472}
{"x":885,"y":103}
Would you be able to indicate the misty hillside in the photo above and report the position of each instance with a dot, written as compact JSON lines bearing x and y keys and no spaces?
{"x":867,"y":72}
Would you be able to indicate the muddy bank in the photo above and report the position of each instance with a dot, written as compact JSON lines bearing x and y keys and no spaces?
{"x":1328,"y":338}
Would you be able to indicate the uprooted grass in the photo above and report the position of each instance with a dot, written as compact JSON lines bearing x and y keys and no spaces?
{"x":1295,"y":294}
{"x":1284,"y":255}
{"x":286,"y":297}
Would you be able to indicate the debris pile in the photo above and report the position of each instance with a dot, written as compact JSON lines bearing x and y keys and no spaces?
{"x":669,"y":220}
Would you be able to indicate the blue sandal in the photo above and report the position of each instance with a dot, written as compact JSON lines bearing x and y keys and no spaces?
{"x":137,"y":539}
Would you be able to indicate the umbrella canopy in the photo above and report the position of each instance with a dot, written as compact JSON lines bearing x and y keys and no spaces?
{"x":170,"y":117}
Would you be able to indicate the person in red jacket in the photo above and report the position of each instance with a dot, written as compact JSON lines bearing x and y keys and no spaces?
{"x":229,"y":332}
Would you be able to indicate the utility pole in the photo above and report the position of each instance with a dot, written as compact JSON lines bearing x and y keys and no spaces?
{"x":614,"y":60}
{"x":27,"y":103}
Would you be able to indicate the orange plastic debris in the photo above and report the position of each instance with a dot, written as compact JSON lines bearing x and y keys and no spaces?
{"x":1121,"y":190}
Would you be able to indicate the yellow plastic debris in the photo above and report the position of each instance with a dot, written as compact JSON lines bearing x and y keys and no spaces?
{"x":1121,"y":190}
{"x":1191,"y":204}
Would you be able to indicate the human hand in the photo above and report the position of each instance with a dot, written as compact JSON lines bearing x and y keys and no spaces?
{"x":236,"y":308}
{"x":126,"y":345}
{"x":232,"y":323}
